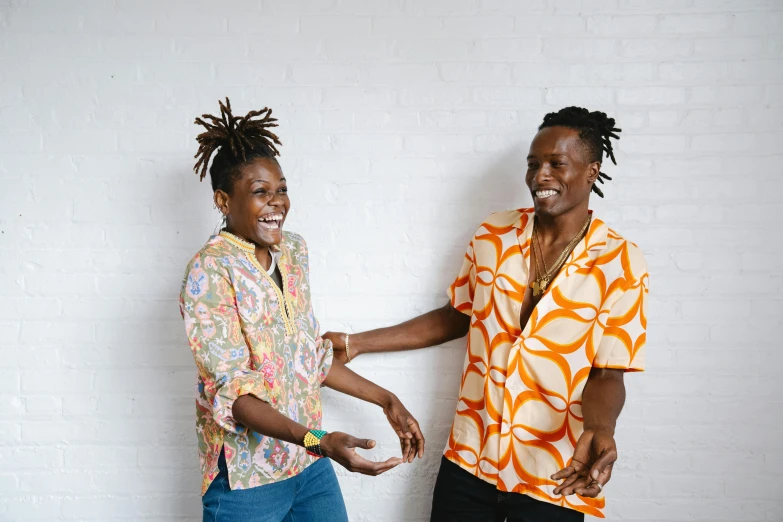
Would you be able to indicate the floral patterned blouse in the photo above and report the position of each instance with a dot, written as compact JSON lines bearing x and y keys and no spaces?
{"x":250,"y":337}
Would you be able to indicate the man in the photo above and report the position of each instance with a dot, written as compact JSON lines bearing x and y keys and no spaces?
{"x":553,"y":303}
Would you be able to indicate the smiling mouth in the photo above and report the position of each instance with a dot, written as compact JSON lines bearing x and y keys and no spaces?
{"x":543,"y":194}
{"x":271,"y":221}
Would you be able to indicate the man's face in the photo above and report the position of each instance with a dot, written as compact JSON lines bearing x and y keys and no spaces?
{"x":560,"y":174}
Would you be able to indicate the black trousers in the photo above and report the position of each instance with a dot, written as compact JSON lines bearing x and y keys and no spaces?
{"x":462,"y":497}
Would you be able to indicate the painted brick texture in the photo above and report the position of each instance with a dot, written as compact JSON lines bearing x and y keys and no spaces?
{"x":404,"y":123}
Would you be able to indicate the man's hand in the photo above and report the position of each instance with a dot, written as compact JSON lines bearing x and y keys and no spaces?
{"x":591,"y":467}
{"x":338,"y":343}
{"x":406,"y":427}
{"x":340,"y":447}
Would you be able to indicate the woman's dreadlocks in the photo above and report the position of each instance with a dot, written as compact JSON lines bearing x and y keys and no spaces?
{"x":237,"y":140}
{"x":595,"y":130}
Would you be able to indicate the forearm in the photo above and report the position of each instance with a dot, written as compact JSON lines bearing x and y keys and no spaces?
{"x":430,"y":329}
{"x":262,"y":418}
{"x":344,"y":380}
{"x":603,"y":399}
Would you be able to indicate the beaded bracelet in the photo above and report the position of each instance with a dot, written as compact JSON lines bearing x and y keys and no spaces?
{"x":312,"y":442}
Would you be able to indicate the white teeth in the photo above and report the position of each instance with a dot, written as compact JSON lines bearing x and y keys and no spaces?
{"x":545,"y":193}
{"x":271,"y":221}
{"x":272,"y":217}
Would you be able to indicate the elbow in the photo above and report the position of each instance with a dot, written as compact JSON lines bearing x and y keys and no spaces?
{"x":241,"y":408}
{"x":463,"y":329}
{"x":457,"y":323}
{"x":245,"y":409}
{"x":461,"y":324}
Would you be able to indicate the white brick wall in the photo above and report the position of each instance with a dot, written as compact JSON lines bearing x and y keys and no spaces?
{"x":404,"y":123}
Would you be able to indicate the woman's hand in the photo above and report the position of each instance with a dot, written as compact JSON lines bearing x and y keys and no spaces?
{"x":340,"y":446}
{"x":338,"y":343}
{"x":406,"y":427}
{"x":342,"y":379}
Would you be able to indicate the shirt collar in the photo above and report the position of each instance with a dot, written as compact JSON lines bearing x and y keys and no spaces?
{"x":247,"y":246}
{"x":595,"y":237}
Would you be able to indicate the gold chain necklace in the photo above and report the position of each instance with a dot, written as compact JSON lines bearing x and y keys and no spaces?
{"x":544,"y":277}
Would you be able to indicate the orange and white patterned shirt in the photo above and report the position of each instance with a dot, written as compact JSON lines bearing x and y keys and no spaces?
{"x":520,"y":404}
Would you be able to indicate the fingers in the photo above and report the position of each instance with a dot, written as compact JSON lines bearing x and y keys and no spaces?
{"x":405,"y":442}
{"x":409,"y":432}
{"x":404,"y":431}
{"x":574,"y":467}
{"x":605,"y":476}
{"x":386,"y":465}
{"x":578,"y":483}
{"x":604,"y":463}
{"x":361,"y":443}
{"x":414,"y":440}
{"x":367,"y":467}
{"x":567,"y":485}
{"x":584,"y":485}
{"x":419,"y":450}
{"x":563,"y":473}
{"x":596,"y":485}
{"x":344,"y":453}
{"x":581,"y":479}
{"x":418,"y":437}
{"x":405,"y":447}
{"x":593,"y":489}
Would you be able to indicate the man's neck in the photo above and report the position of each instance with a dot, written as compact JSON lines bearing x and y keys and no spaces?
{"x":562,"y":228}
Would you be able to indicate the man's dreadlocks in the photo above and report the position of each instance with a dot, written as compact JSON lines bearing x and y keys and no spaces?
{"x":237,"y":140}
{"x":595,"y":130}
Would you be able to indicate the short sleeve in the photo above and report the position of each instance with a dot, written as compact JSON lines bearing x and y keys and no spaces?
{"x":208,"y":306}
{"x":462,"y":289}
{"x":622,"y":345}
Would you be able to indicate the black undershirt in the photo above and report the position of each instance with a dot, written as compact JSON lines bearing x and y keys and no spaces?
{"x":277,"y":278}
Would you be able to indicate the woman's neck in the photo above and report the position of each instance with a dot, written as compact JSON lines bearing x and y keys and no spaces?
{"x":262,"y":252}
{"x":264,"y":256}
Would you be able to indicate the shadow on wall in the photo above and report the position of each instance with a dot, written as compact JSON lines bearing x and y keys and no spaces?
{"x":500,"y":186}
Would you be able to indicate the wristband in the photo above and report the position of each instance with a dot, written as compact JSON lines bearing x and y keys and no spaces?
{"x":312,"y":442}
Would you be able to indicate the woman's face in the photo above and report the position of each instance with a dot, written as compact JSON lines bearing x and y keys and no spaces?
{"x":258,"y":204}
{"x":559,"y":173}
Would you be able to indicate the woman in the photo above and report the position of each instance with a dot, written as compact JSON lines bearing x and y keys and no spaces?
{"x":261,"y":361}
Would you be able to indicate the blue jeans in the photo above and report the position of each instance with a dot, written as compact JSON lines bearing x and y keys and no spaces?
{"x":312,"y":496}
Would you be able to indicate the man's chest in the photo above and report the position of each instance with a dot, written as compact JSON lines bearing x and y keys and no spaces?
{"x":504,"y":296}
